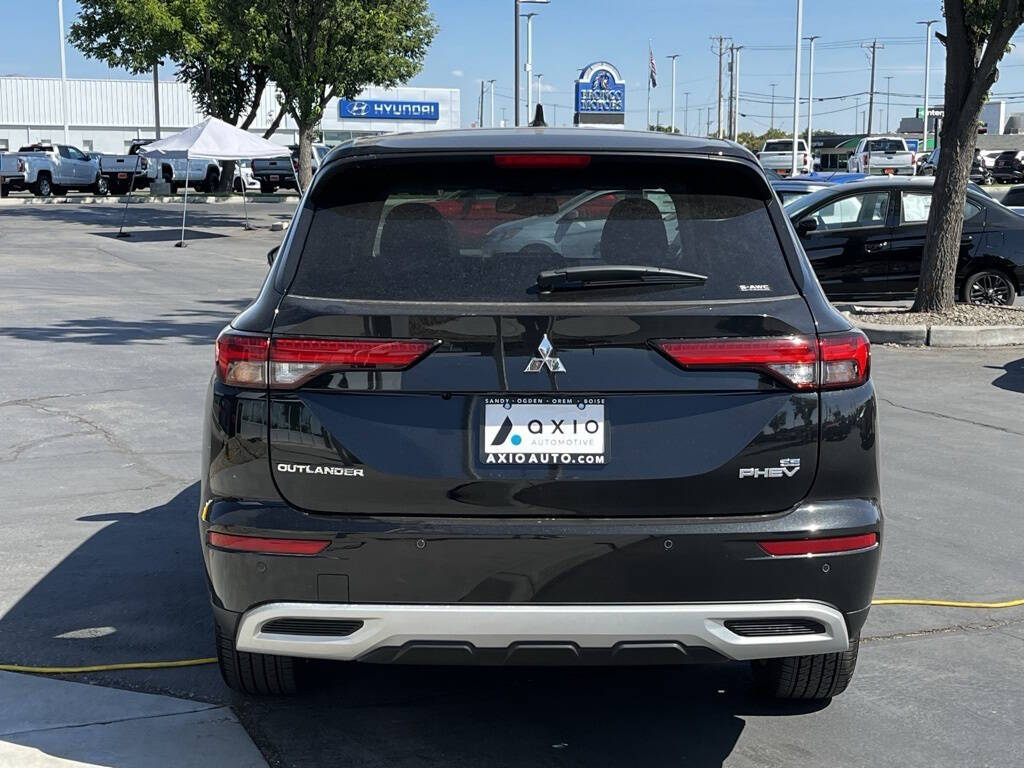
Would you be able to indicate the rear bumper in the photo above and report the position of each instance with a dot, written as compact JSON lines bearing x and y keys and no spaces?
{"x":543,"y":633}
{"x":411,"y":577}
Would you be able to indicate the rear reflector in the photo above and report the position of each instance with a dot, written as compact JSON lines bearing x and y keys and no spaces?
{"x":793,"y":360}
{"x":257,"y":362}
{"x":819,"y":546}
{"x":542,"y":161}
{"x":790,"y":359}
{"x":266,"y":546}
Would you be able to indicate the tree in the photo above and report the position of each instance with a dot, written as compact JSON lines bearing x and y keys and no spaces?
{"x":317,"y":49}
{"x":977,"y":36}
{"x":203,"y":37}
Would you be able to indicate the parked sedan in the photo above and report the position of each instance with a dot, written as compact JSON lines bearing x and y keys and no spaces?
{"x":866,"y":241}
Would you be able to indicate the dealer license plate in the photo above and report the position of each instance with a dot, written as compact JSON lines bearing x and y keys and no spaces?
{"x":543,"y":431}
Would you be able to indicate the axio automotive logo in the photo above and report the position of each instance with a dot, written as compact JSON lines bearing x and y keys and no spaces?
{"x":547,"y":358}
{"x":312,"y":469}
{"x":786,"y":468}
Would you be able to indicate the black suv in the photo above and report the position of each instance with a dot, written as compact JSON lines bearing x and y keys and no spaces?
{"x":541,"y":397}
{"x":1009,"y":167}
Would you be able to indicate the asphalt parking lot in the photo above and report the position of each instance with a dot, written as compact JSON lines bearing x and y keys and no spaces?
{"x":106,"y":351}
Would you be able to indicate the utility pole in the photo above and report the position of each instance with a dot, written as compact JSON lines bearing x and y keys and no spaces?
{"x":480,"y":110}
{"x":927,"y":73}
{"x":491,"y":83}
{"x":674,"y":56}
{"x":796,"y":81}
{"x":721,"y":52}
{"x":63,"y":71}
{"x":871,"y":95}
{"x":810,"y":92}
{"x":772,"y":123}
{"x":732,"y":87}
{"x":686,"y":109}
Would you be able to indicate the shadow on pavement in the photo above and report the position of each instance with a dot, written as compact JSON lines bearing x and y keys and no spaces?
{"x":200,"y":327}
{"x":1013,"y":376}
{"x":153,"y":215}
{"x":160,"y":235}
{"x":133,"y":591}
{"x":368,"y":715}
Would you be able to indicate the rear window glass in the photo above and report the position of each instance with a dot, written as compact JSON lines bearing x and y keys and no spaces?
{"x":886,"y":145}
{"x":470,"y":231}
{"x":782,"y":146}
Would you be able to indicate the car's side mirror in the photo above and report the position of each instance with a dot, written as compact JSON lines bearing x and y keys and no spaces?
{"x":272,"y":254}
{"x":806,"y":226}
{"x":572,"y":215}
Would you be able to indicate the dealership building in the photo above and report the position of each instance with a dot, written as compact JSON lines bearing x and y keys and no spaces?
{"x":106,"y":115}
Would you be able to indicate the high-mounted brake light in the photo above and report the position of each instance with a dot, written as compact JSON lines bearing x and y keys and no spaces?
{"x":790,"y":359}
{"x":797,"y":547}
{"x":267,"y":546}
{"x":286,"y":363}
{"x":835,"y":361}
{"x":542,"y":161}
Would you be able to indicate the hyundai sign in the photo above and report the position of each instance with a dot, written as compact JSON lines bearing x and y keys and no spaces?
{"x":380,"y":109}
{"x":600,"y":95}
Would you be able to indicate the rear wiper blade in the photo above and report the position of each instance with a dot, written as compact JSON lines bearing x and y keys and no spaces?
{"x":613,"y":276}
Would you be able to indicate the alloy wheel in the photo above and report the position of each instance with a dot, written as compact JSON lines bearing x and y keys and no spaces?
{"x":990,"y":288}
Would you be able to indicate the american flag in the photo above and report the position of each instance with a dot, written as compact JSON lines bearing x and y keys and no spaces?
{"x":654,"y":69}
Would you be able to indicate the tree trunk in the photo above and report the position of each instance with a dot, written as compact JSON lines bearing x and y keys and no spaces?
{"x":306,"y":135}
{"x":227,"y":176}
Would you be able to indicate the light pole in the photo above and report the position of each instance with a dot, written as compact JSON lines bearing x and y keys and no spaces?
{"x":529,"y":65}
{"x":491,"y":84}
{"x":673,"y":57}
{"x":810,"y":91}
{"x":796,"y":79}
{"x":888,"y":100}
{"x":63,"y":71}
{"x":515,"y":86}
{"x":540,"y":79}
{"x":686,"y":107}
{"x":772,"y":123}
{"x":734,"y":118}
{"x":927,"y":74}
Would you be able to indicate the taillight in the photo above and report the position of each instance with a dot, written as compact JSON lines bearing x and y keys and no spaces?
{"x":21,"y":165}
{"x":265,"y":545}
{"x":790,"y":359}
{"x":144,"y":163}
{"x":294,"y":361}
{"x":803,"y":547}
{"x":242,"y":359}
{"x":865,"y":156}
{"x":287,"y":363}
{"x":845,"y":359}
{"x":542,"y":161}
{"x":834,"y":361}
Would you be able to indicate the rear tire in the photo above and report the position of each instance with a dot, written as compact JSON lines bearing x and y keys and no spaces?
{"x":101,"y":187}
{"x":989,"y":287}
{"x":43,"y":187}
{"x":807,"y":677}
{"x":257,"y":674}
{"x":209,"y":185}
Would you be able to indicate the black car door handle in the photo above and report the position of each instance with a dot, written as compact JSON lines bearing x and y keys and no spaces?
{"x":872,"y":247}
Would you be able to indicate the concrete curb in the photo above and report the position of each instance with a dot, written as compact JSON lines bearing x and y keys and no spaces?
{"x":943,"y":335}
{"x":198,"y":199}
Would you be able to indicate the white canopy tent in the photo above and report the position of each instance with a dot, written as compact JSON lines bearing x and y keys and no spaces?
{"x":213,"y":139}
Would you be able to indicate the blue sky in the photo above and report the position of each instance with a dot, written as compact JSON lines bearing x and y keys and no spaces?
{"x":475,"y":42}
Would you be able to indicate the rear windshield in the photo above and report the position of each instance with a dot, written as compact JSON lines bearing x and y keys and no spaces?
{"x":782,"y":146}
{"x":886,"y":145}
{"x":467,"y":230}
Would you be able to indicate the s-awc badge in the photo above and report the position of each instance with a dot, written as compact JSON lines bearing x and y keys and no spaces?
{"x":543,"y":431}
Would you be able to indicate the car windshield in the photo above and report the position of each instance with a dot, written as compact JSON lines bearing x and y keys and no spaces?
{"x":886,"y":145}
{"x":467,"y":231}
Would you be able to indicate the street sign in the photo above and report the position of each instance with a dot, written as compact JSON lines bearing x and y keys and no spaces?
{"x":932,"y":112}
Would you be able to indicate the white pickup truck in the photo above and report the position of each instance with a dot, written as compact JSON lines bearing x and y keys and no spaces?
{"x":882,"y":156}
{"x":51,"y":169}
{"x":777,"y":155}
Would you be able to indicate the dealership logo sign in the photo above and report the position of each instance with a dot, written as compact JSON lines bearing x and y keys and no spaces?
{"x":386,"y":109}
{"x":600,"y":89}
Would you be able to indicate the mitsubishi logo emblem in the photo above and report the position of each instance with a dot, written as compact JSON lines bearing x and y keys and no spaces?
{"x":547,"y":358}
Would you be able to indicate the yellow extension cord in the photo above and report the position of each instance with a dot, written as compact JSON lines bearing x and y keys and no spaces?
{"x":199,"y":662}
